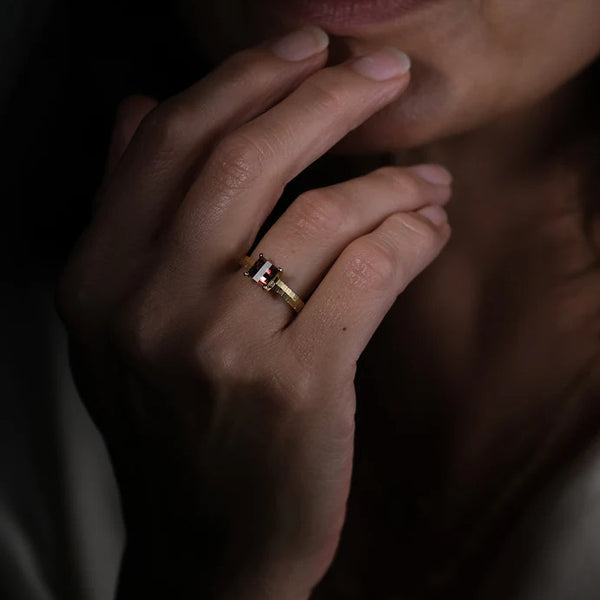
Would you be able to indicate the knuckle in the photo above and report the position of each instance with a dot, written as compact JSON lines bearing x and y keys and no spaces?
{"x":165,"y":126}
{"x":371,"y":262}
{"x":215,"y":362}
{"x":247,"y":366}
{"x":147,"y":328}
{"x":303,"y":388}
{"x":243,"y":70}
{"x":414,"y":229}
{"x":216,"y":359}
{"x":237,"y":162}
{"x":215,"y":350}
{"x":238,"y":371}
{"x":325,"y":97}
{"x":133,"y":329}
{"x":404,"y":184}
{"x":319,"y":212}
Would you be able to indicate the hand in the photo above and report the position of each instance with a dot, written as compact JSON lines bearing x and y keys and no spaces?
{"x":230,"y":420}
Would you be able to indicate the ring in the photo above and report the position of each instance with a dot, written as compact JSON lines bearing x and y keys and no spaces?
{"x":268,"y":277}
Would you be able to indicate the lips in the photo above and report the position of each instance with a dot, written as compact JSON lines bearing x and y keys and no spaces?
{"x":341,"y":14}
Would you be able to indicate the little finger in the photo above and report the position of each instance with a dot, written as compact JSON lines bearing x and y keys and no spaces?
{"x":349,"y":304}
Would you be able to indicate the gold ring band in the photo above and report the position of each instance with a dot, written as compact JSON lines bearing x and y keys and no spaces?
{"x":268,"y":276}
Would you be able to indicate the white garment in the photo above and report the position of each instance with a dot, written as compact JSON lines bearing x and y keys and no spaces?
{"x":555,"y":548}
{"x":61,"y":535}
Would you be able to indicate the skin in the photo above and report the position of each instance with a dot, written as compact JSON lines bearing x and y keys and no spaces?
{"x":230,"y":422}
{"x":473,"y":60}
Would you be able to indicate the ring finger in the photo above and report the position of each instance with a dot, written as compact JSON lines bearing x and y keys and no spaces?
{"x":316,"y":228}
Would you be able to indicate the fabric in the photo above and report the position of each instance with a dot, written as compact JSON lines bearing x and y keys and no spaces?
{"x":554,"y":551}
{"x":60,"y":530}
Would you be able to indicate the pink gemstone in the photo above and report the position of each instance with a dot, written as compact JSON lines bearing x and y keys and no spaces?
{"x":263,"y":272}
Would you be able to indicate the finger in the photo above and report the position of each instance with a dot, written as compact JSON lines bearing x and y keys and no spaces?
{"x":316,"y":228}
{"x":130,"y":113}
{"x":152,"y":176}
{"x":246,"y":174}
{"x":177,"y":136}
{"x":349,"y":304}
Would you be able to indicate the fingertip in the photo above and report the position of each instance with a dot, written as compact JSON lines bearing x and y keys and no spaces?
{"x":435,"y":214}
{"x":433,"y":173}
{"x":301,"y":44}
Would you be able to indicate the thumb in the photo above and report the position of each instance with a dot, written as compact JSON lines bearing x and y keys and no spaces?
{"x":130,"y":113}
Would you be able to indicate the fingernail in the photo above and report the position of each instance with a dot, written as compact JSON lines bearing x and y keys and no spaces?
{"x":436,"y":214}
{"x":301,"y":44}
{"x":435,"y":174}
{"x":382,"y":64}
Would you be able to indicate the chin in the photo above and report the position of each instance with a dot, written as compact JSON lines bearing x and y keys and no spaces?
{"x":391,"y":130}
{"x":429,"y":110}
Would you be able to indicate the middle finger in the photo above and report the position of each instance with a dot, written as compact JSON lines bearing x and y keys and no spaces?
{"x":246,"y":174}
{"x":319,"y":224}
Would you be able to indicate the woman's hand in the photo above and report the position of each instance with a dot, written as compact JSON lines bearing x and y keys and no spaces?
{"x":229,"y":419}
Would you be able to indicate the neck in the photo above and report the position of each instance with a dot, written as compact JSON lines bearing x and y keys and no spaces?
{"x":516,"y":278}
{"x":476,"y":404}
{"x":519,"y":185}
{"x":520,"y":146}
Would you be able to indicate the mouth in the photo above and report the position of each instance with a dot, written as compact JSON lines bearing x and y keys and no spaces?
{"x":341,"y":17}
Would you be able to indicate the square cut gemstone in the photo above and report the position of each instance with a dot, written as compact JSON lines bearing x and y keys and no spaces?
{"x":263,"y":272}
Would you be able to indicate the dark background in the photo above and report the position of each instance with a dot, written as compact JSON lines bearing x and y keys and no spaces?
{"x":65,"y":67}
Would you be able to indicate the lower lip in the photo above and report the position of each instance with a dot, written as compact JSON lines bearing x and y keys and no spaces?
{"x":340,"y":14}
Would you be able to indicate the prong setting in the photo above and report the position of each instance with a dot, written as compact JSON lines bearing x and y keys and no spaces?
{"x":268,"y":277}
{"x":264,"y":272}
